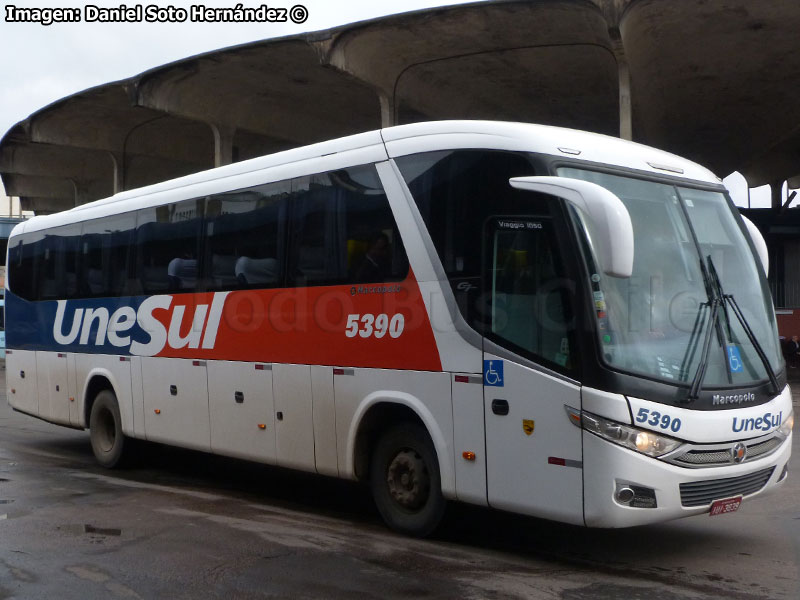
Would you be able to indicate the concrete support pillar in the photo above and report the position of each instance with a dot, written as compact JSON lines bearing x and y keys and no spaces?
{"x":118,"y":165}
{"x":223,"y":144}
{"x":335,"y":54}
{"x":388,"y":116}
{"x":81,"y":192}
{"x":624,"y":83}
{"x":625,"y":109}
{"x":776,"y":190}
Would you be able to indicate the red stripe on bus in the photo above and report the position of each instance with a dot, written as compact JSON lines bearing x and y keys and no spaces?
{"x":314,"y":325}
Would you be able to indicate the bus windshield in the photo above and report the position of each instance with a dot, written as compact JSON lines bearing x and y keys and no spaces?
{"x":656,"y":322}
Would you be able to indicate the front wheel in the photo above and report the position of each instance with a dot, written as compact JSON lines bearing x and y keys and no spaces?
{"x":105,"y":430}
{"x":405,"y":481}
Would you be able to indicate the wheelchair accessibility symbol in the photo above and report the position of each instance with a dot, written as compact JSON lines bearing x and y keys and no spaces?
{"x":493,"y":373}
{"x":734,"y":359}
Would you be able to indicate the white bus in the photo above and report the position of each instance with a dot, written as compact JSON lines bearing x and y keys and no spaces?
{"x":536,"y":319}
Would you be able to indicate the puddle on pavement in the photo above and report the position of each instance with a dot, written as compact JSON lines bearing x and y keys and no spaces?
{"x":102,"y":530}
{"x":91,"y":529}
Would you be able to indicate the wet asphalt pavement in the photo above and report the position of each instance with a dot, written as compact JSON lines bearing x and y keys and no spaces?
{"x":182,"y":524}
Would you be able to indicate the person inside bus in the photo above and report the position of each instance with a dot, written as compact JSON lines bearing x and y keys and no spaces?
{"x":375,"y":266}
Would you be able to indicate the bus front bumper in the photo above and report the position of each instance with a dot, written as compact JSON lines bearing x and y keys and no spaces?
{"x":608,"y":469}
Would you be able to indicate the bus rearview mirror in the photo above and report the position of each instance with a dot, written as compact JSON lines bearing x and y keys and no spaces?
{"x":612,"y":232}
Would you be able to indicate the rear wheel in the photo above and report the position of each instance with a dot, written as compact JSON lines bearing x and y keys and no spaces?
{"x":105,"y":430}
{"x":405,"y":481}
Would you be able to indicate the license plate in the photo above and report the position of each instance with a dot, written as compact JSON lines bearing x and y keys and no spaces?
{"x":729,"y":505}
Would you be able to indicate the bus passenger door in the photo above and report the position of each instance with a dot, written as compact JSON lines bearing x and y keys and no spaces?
{"x":534,"y":456}
{"x":533,"y":451}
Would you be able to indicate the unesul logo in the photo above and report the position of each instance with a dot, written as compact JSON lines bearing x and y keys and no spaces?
{"x":765,"y":422}
{"x":119,"y":327}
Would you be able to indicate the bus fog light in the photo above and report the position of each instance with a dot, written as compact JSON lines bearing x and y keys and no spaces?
{"x":784,"y":473}
{"x":635,"y":496}
{"x":625,"y":495}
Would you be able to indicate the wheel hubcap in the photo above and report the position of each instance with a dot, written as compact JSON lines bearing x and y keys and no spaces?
{"x":408,"y":480}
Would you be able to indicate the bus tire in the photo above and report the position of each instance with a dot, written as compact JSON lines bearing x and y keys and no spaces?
{"x":405,"y":481}
{"x":105,"y":430}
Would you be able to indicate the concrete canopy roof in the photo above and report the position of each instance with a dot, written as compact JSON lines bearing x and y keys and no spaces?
{"x":713,"y":81}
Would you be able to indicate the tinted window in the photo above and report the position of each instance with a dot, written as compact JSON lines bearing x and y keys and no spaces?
{"x":55,"y":268}
{"x":167,"y":244}
{"x":244,"y":243}
{"x":529,"y":293}
{"x":105,"y":249}
{"x":456,"y":192}
{"x":343,"y":230}
{"x":20,"y":267}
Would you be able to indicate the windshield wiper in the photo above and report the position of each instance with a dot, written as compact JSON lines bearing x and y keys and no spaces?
{"x":713,"y":303}
{"x":729,"y":299}
{"x":694,"y":340}
{"x":697,"y":382}
{"x":718,"y":298}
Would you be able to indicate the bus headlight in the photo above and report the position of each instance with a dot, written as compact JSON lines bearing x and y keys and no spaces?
{"x":786,"y":427}
{"x":646,"y":442}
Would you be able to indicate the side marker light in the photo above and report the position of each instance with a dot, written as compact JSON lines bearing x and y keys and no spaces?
{"x":468,"y":455}
{"x":574,"y":415}
{"x":157,"y":411}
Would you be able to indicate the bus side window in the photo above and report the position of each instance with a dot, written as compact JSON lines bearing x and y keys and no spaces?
{"x":56,"y":256}
{"x":21,"y":267}
{"x":456,"y":192}
{"x":105,"y":261}
{"x":523,"y":301}
{"x":244,"y":237}
{"x":167,"y":246}
{"x":529,"y":294}
{"x":342,"y":230}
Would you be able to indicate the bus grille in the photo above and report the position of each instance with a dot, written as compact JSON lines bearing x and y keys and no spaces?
{"x":698,"y":457}
{"x":701,"y":493}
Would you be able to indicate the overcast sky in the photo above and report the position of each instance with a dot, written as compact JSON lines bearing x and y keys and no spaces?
{"x":41,"y":64}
